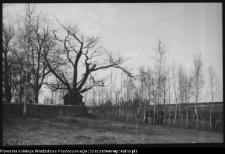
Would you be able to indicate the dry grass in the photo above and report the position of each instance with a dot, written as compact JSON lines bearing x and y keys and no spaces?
{"x":92,"y":130}
{"x":202,"y":124}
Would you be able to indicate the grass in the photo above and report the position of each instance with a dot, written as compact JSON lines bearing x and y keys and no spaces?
{"x":95,"y":130}
{"x":202,"y":124}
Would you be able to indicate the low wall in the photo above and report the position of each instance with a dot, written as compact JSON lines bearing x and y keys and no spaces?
{"x":42,"y":110}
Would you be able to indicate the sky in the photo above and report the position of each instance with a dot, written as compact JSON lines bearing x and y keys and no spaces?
{"x":133,"y":29}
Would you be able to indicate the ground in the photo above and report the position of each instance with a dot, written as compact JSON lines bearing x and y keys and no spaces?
{"x":83,"y":130}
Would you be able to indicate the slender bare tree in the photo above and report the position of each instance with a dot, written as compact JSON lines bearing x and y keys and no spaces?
{"x":187,"y":95}
{"x":175,"y":93}
{"x":198,"y":83}
{"x":142,"y":80}
{"x":181,"y":92}
{"x":149,"y":89}
{"x":159,"y":69}
{"x":214,"y":85}
{"x":166,"y":92}
{"x":169,"y":91}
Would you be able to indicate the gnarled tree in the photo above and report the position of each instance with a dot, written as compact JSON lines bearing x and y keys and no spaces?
{"x":81,"y":53}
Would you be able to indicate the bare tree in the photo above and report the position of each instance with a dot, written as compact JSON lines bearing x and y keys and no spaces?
{"x":35,"y":31}
{"x":117,"y":92}
{"x":9,"y":69}
{"x":142,"y":86}
{"x":20,"y":63}
{"x":166,"y":92}
{"x":188,"y":88}
{"x":169,"y":91}
{"x":198,"y":82}
{"x":160,"y":67}
{"x":24,"y":40}
{"x":214,"y":85}
{"x":175,"y":93}
{"x":121,"y":96}
{"x":164,"y":97}
{"x":129,"y":86}
{"x":181,"y":92}
{"x":154,"y":94}
{"x":80,"y":49}
{"x":149,"y":85}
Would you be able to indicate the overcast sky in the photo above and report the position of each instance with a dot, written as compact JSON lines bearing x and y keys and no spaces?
{"x":134,"y":29}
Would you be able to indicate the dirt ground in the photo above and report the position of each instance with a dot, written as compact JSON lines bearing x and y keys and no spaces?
{"x":83,"y":130}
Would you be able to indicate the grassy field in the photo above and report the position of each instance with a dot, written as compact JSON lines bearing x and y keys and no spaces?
{"x":93,"y":130}
{"x":202,"y":124}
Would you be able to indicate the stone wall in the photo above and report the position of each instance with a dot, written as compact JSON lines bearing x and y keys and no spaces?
{"x":42,"y":110}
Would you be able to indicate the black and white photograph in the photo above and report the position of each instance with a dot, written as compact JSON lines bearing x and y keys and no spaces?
{"x":112,"y":73}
